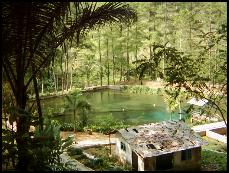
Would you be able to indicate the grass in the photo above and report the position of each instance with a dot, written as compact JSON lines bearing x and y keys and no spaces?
{"x":215,"y":145}
{"x":103,"y":161}
{"x":214,"y":155}
{"x":213,"y":161}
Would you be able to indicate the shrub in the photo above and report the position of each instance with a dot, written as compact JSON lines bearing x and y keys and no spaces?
{"x":106,"y":126}
{"x":55,"y":123}
{"x":74,"y":151}
{"x":66,"y":127}
{"x":140,"y":89}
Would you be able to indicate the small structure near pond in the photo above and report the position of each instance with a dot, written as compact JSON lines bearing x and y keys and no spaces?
{"x":168,"y":145}
{"x":198,"y":115}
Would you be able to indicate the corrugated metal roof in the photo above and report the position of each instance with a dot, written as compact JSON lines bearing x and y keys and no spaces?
{"x":161,"y":138}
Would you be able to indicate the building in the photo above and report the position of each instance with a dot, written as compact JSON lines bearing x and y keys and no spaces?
{"x":198,"y":115}
{"x":168,"y":145}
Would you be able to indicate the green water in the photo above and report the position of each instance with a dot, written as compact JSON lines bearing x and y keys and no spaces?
{"x":131,"y":108}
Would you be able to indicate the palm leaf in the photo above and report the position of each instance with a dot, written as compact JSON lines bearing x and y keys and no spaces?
{"x":69,"y":99}
{"x":37,"y":29}
{"x":83,"y":104}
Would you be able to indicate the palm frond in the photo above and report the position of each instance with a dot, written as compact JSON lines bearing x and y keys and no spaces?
{"x":69,"y":99}
{"x":36,"y":29}
{"x":83,"y":104}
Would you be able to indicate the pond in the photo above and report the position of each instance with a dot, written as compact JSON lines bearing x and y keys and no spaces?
{"x":128,"y":107}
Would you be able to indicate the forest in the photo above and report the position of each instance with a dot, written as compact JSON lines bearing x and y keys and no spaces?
{"x":64,"y":49}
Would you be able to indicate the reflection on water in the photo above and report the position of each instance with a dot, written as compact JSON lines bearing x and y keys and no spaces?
{"x":128,"y":107}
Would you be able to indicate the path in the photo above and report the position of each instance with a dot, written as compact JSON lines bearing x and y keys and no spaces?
{"x":216,"y":131}
{"x":84,"y":140}
{"x":75,"y":165}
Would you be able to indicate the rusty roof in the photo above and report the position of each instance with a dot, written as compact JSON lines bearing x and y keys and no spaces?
{"x":160,"y":138}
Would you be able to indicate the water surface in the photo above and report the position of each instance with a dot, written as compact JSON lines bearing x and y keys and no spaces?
{"x":128,"y":107}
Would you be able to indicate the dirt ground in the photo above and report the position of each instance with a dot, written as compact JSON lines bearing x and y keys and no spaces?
{"x":84,"y":136}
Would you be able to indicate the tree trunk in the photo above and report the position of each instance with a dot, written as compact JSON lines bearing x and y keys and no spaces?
{"x":62,"y":82}
{"x":180,"y":111}
{"x":57,"y":83}
{"x":121,"y":68}
{"x":121,"y":74}
{"x":74,"y":113}
{"x":42,"y":85}
{"x":110,"y":142}
{"x":87,"y":75}
{"x":150,"y":29}
{"x":22,"y":127}
{"x":54,"y":78}
{"x":67,"y":80}
{"x":210,"y":54}
{"x":100,"y":62}
{"x":71,"y":77}
{"x":136,"y":47}
{"x":113,"y":58}
{"x":38,"y":102}
{"x":108,"y":65}
{"x":127,"y":55}
{"x":165,"y":38}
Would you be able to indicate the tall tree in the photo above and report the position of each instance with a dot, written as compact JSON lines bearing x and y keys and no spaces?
{"x":37,"y":29}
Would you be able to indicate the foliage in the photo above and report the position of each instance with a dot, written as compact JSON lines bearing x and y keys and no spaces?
{"x":67,"y":127}
{"x":38,"y":29}
{"x":140,"y":89}
{"x":9,"y":148}
{"x":49,"y":146}
{"x":215,"y":145}
{"x":107,"y":126}
{"x":44,"y":147}
{"x":182,"y":74}
{"x":214,"y":159}
{"x":74,"y":151}
{"x":104,"y":162}
{"x":79,"y":105}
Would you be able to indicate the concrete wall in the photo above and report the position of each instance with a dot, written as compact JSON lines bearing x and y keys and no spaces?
{"x":124,"y":156}
{"x":221,"y":131}
{"x":201,"y":133}
{"x":193,"y":164}
{"x":216,"y":136}
{"x":140,"y":164}
{"x":150,"y":164}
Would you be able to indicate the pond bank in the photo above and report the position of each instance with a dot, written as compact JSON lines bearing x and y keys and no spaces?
{"x":86,"y":89}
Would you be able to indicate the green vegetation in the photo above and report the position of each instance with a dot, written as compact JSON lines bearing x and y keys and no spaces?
{"x":214,"y":155}
{"x":215,"y":145}
{"x":214,"y":161}
{"x":103,"y":162}
{"x":44,"y":148}
{"x":78,"y":104}
{"x":54,"y":47}
{"x":141,"y":89}
{"x":74,"y":151}
{"x":107,"y":126}
{"x":55,"y":25}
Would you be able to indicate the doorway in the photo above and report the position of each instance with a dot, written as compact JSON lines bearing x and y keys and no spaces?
{"x":164,"y":162}
{"x":134,"y":161}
